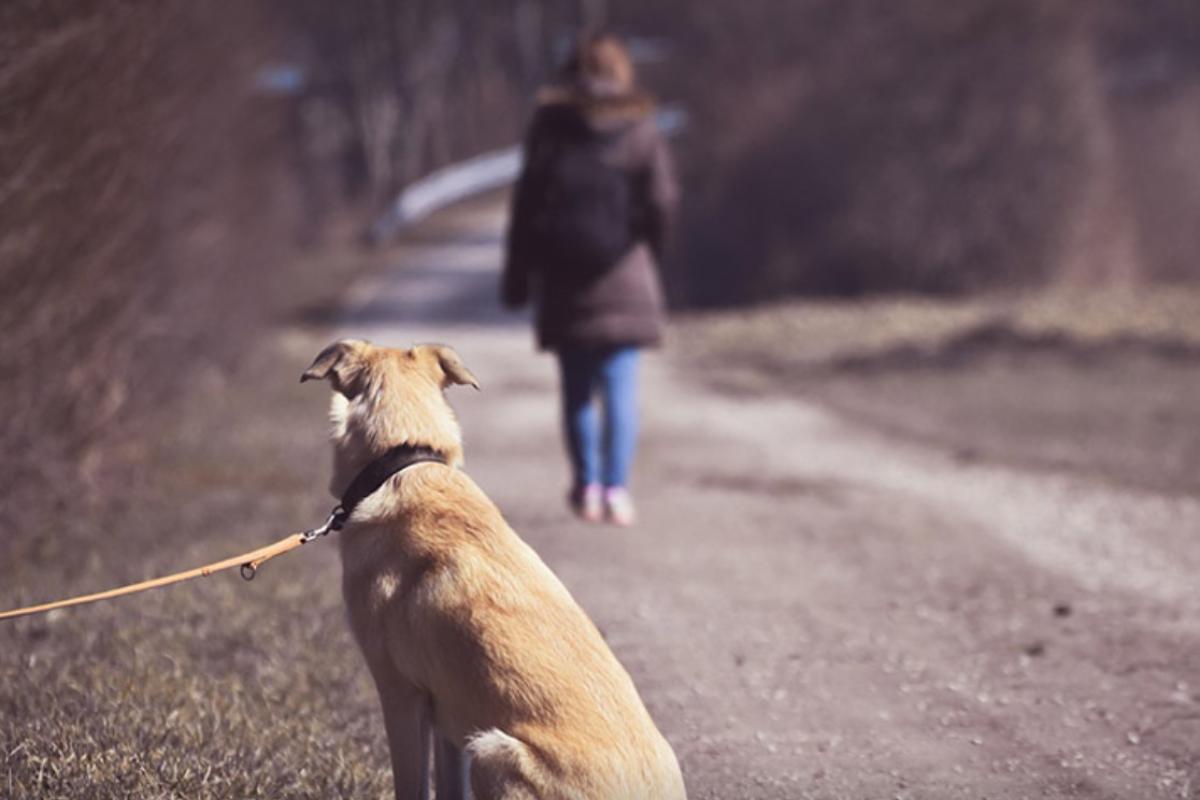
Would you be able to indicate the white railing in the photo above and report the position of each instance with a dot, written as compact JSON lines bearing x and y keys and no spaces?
{"x":482,"y":173}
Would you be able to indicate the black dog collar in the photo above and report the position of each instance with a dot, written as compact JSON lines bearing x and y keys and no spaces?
{"x":376,"y":474}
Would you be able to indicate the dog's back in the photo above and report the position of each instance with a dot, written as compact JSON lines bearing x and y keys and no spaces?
{"x":519,"y":673}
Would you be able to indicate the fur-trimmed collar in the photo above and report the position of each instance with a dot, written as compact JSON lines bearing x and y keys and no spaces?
{"x":600,"y":111}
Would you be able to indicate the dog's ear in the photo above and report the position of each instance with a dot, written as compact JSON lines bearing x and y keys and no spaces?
{"x":342,"y":364}
{"x":452,"y":367}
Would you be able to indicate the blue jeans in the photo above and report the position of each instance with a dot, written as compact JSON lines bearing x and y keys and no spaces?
{"x":612,"y":373}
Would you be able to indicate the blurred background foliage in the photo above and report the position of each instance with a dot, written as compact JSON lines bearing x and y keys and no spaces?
{"x":156,"y":196}
{"x":848,"y":148}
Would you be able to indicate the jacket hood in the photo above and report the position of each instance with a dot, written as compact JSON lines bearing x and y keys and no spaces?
{"x":601,"y":112}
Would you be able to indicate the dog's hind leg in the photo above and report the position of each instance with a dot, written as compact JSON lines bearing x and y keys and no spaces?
{"x":501,"y":767}
{"x":428,"y":735}
{"x":450,"y":769}
{"x":407,"y":732}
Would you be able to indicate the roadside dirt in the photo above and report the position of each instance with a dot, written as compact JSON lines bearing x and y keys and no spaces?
{"x":821,"y":600}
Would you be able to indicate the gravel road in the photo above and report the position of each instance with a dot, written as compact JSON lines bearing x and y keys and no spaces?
{"x":815,"y":609}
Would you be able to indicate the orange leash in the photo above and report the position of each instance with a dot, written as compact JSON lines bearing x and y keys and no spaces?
{"x":248,"y":562}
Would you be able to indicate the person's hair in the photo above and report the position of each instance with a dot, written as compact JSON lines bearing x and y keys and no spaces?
{"x":600,"y":65}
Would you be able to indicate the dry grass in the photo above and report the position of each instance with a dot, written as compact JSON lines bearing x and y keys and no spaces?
{"x":813,"y":334}
{"x":217,"y":688}
{"x":1101,"y":383}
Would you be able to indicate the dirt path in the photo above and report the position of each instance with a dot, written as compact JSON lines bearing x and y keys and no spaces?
{"x":811,"y":608}
{"x":815,"y":610}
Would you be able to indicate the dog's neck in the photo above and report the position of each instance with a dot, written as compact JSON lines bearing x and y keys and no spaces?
{"x":366,"y":428}
{"x":381,"y":470}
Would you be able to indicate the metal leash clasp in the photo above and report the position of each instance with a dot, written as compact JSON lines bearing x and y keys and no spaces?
{"x":337,"y":518}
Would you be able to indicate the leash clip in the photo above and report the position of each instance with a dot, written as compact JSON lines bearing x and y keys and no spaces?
{"x":337,"y":518}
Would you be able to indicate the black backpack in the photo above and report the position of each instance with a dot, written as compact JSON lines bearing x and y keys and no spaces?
{"x":588,"y":219}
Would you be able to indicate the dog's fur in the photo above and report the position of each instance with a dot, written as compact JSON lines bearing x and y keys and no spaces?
{"x":456,"y":614}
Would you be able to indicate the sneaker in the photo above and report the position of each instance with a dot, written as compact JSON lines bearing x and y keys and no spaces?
{"x":587,"y":502}
{"x":618,"y":506}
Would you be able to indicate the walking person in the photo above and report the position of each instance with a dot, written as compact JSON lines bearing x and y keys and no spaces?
{"x":590,"y":215}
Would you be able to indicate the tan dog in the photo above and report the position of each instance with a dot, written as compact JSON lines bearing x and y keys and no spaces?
{"x":457,"y":615}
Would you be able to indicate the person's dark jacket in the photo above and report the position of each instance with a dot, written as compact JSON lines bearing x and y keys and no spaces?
{"x":579,"y":307}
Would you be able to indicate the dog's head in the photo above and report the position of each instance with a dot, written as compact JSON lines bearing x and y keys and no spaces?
{"x":384,"y":397}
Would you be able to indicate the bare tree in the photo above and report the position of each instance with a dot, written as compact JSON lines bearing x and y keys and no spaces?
{"x":425,"y":81}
